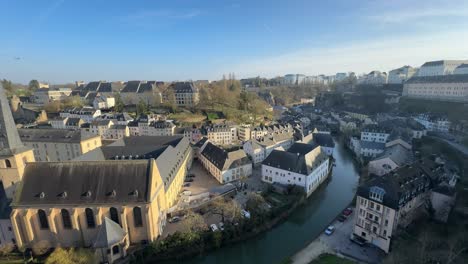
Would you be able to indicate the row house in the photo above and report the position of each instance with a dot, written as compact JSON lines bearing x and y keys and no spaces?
{"x":88,"y":114}
{"x":66,"y":123}
{"x":260,"y":148}
{"x":221,"y":134}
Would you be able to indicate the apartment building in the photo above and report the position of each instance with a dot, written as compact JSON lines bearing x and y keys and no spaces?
{"x":58,"y":144}
{"x":66,"y":123}
{"x":449,"y":88}
{"x":225,"y":166}
{"x":157,"y":128}
{"x":102,"y":101}
{"x":433,"y":123}
{"x":221,"y":134}
{"x":394,"y":200}
{"x":46,"y":95}
{"x":186,"y":94}
{"x":373,"y":78}
{"x":375,"y":133}
{"x":401,"y":75}
{"x":116,"y":132}
{"x":260,"y":148}
{"x":441,"y":67}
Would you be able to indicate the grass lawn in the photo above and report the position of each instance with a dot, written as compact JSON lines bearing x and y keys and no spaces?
{"x":331,"y":259}
{"x":186,"y":117}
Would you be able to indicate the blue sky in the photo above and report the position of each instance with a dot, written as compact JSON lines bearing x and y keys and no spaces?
{"x":65,"y":40}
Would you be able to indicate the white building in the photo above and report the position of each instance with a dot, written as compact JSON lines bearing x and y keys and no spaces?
{"x":46,"y":95}
{"x":86,"y":113}
{"x":102,"y":101}
{"x":462,"y":69}
{"x":302,"y":165}
{"x":115,"y":132}
{"x":97,"y":127}
{"x":225,"y":166}
{"x":433,"y":122}
{"x":221,"y":134}
{"x":259,"y":148}
{"x":400,"y":75}
{"x":324,"y":140}
{"x":373,"y":78}
{"x":441,"y":67}
{"x":450,"y":88}
{"x":157,"y":128}
{"x":374,"y":133}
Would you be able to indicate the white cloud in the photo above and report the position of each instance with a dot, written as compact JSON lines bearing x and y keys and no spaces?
{"x":420,"y":14}
{"x":380,"y":54}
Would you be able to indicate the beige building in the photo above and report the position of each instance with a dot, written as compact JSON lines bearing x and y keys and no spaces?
{"x":109,"y":198}
{"x":225,"y":166}
{"x":221,"y":134}
{"x":69,"y":204}
{"x":394,"y":200}
{"x":14,"y":155}
{"x":58,"y":144}
{"x":46,"y":95}
{"x":186,"y":94}
{"x":450,"y":88}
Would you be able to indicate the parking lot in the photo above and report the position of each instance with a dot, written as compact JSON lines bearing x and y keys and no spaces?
{"x":203,"y":181}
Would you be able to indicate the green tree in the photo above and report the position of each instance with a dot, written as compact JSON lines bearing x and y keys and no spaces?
{"x":119,"y":105}
{"x":142,"y":108}
{"x":193,"y":222}
{"x":33,"y":85}
{"x":71,"y":256}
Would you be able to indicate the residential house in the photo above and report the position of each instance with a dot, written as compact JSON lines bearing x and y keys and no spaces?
{"x":116,"y":132}
{"x":433,"y":123}
{"x":221,"y":134}
{"x":86,"y":113}
{"x":225,"y":166}
{"x":324,"y":140}
{"x":260,"y":148}
{"x":304,"y":165}
{"x":185,"y":94}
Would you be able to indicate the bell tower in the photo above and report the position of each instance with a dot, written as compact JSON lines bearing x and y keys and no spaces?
{"x":13,"y":154}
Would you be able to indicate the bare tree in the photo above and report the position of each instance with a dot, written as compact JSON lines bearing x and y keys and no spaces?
{"x":193,"y":222}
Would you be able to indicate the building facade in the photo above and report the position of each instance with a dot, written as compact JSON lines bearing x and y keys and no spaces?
{"x":441,"y":67}
{"x":400,"y":75}
{"x":450,"y":88}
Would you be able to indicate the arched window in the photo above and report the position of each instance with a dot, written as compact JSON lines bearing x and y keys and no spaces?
{"x":90,"y":218}
{"x":8,"y":163}
{"x":115,"y":250}
{"x":66,"y":219}
{"x":43,"y":222}
{"x":137,"y":219}
{"x":114,"y":215}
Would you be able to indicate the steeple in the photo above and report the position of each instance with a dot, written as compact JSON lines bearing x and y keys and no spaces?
{"x":10,"y":142}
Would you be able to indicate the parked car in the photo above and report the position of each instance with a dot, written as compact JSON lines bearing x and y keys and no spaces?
{"x":187,"y":184}
{"x":347,"y":211}
{"x":174,"y":219}
{"x":188,"y":180}
{"x":245,"y":214}
{"x":329,"y":230}
{"x":360,"y":241}
{"x":221,"y":226}
{"x":213,"y":228}
{"x":191,"y":175}
{"x":342,"y":218}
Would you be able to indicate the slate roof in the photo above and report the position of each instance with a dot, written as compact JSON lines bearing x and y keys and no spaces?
{"x":294,"y":160}
{"x":105,"y":87}
{"x":109,"y":234}
{"x":162,"y":124}
{"x":464,"y":65}
{"x":324,"y":140}
{"x":53,"y":135}
{"x":73,"y":121}
{"x":401,"y":185}
{"x":145,"y":87}
{"x":397,"y":154}
{"x":223,"y":159}
{"x":131,"y":87}
{"x":302,"y":148}
{"x":451,"y":78}
{"x":183,"y":87}
{"x":90,"y":182}
{"x":10,"y":142}
{"x":372,"y":145}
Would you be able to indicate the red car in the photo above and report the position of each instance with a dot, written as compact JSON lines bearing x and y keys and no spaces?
{"x":347,"y":211}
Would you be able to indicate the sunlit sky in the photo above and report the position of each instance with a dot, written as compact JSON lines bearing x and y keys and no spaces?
{"x":62,"y":40}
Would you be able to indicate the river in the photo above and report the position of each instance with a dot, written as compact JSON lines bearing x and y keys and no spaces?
{"x":303,"y":225}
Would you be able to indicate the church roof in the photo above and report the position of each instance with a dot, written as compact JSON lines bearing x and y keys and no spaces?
{"x":109,"y":234}
{"x":10,"y":142}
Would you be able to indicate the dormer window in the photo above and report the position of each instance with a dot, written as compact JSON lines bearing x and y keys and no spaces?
{"x":376,"y":193}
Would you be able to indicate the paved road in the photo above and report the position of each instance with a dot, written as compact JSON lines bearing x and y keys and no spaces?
{"x":339,"y":243}
{"x":457,"y":146}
